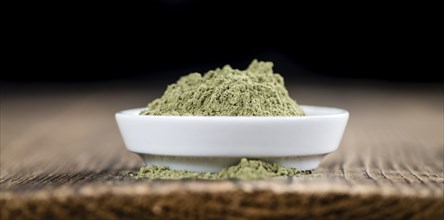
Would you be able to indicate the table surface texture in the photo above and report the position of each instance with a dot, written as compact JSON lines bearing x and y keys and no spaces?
{"x":62,"y":157}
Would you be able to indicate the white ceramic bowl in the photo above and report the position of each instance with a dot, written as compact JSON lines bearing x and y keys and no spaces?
{"x":210,"y":143}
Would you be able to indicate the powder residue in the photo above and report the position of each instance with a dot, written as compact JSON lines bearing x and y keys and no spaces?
{"x":246,"y":169}
{"x":256,"y":91}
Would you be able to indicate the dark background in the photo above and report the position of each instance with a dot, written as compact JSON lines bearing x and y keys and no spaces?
{"x":165,"y":39}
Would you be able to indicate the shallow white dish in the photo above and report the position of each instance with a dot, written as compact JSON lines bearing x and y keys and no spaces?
{"x":210,"y":143}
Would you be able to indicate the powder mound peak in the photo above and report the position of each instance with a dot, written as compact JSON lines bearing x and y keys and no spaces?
{"x":256,"y":91}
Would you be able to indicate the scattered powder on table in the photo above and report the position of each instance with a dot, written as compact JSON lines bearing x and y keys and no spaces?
{"x":246,"y":169}
{"x":256,"y":91}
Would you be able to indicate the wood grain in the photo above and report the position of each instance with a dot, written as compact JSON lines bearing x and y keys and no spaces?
{"x":62,"y":157}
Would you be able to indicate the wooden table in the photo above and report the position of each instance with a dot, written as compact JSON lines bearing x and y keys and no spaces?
{"x":62,"y":157}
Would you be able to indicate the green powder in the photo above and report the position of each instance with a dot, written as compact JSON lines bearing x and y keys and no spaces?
{"x":246,"y":169}
{"x":256,"y":91}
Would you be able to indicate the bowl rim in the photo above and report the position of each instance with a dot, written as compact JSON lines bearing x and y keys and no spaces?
{"x":332,"y":112}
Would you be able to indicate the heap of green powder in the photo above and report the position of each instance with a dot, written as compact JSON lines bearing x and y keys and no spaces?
{"x":256,"y":91}
{"x":246,"y":169}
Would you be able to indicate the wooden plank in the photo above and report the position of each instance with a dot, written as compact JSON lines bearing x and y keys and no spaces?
{"x":222,"y":199}
{"x":62,"y":155}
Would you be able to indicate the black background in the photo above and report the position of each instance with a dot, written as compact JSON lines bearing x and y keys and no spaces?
{"x":165,"y":39}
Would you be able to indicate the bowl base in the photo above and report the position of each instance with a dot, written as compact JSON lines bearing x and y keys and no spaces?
{"x":215,"y":164}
